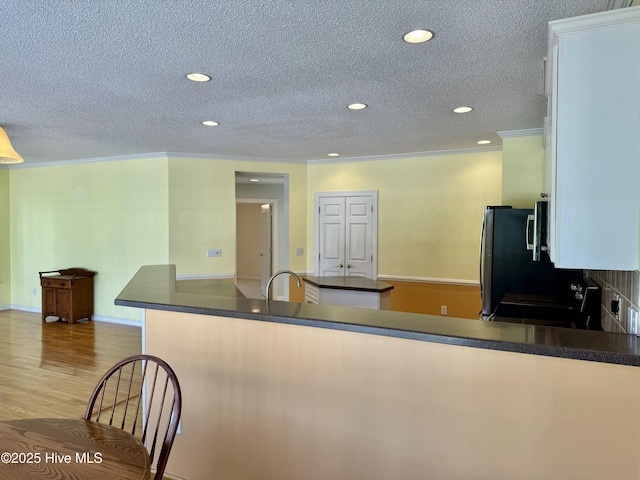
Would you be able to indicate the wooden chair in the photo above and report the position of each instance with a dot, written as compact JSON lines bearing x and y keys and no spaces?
{"x":140,"y":394}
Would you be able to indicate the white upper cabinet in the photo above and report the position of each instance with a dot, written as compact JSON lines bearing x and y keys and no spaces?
{"x":593,"y":140}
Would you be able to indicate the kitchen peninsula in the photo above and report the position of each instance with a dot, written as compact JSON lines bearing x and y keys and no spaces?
{"x":287,"y":390}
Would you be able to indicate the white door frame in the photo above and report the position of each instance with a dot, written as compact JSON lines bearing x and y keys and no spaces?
{"x":266,"y":244}
{"x":374,"y":224}
{"x":274,"y":229}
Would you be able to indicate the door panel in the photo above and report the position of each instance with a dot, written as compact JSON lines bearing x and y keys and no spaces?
{"x":63,"y":303}
{"x":48,"y":301}
{"x":359,"y":236}
{"x":332,"y":235}
{"x":333,"y":245}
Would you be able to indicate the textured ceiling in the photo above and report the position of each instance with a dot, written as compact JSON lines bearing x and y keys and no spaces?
{"x":84,"y":79}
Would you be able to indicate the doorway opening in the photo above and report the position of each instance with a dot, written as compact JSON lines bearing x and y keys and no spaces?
{"x":262,"y":232}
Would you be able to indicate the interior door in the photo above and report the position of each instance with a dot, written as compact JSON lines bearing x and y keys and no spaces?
{"x":359,"y":237}
{"x":266,"y":245}
{"x":332,"y":236}
{"x":346,"y":235}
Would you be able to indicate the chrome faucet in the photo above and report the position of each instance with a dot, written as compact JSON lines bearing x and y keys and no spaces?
{"x":267,"y":290}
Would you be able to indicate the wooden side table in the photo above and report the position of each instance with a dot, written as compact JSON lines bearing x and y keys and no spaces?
{"x":68,"y":294}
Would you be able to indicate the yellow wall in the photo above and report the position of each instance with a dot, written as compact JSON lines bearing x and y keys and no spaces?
{"x":201,"y":216}
{"x":202,"y":212}
{"x":115,"y":216}
{"x":522,"y":171}
{"x":110,"y":217}
{"x":5,"y":258}
{"x":430,"y":209}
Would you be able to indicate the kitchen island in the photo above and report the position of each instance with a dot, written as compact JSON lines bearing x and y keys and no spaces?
{"x":287,"y":390}
{"x":353,"y":291}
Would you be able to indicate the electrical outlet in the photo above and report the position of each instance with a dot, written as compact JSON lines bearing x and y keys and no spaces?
{"x":443,"y":309}
{"x":299,"y":251}
{"x":214,"y":253}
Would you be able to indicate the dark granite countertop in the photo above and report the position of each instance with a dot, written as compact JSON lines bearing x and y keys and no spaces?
{"x":349,"y":283}
{"x":155,"y":287}
{"x":214,"y":286}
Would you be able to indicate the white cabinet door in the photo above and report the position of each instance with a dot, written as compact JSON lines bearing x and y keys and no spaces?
{"x":346,"y":235}
{"x":550,"y":153}
{"x":595,"y":146}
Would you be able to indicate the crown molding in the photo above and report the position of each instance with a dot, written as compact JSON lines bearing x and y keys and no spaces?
{"x":160,"y":155}
{"x":232,"y":158}
{"x":615,"y":16}
{"x":432,"y":153}
{"x":116,"y":158}
{"x":527,"y":132}
{"x":170,"y":155}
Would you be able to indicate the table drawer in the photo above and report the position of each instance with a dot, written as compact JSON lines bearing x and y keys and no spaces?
{"x":56,"y":282}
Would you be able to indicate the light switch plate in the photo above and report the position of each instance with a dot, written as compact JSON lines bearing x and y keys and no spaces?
{"x":299,"y":251}
{"x":216,"y":252}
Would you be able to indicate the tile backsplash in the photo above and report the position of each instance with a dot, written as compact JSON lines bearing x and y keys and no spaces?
{"x":624,"y":284}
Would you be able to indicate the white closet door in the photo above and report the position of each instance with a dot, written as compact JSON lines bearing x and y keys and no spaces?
{"x":346,"y":235}
{"x":359,"y":236}
{"x":332,"y":236}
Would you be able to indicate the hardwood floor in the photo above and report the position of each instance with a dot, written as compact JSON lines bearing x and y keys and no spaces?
{"x":50,"y":370}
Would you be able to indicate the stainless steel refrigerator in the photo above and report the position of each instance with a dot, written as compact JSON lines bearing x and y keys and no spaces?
{"x":507,"y":265}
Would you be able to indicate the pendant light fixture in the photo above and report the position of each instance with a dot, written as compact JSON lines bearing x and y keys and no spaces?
{"x":7,"y":153}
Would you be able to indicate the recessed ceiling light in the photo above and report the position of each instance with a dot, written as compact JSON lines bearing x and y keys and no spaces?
{"x":462,"y":109}
{"x":484,"y":142}
{"x":418,"y":36}
{"x":333,"y":154}
{"x":198,"y":77}
{"x":210,"y":123}
{"x":254,"y":180}
{"x":356,"y":106}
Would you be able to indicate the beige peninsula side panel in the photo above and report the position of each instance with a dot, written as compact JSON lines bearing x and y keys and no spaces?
{"x":271,"y":401}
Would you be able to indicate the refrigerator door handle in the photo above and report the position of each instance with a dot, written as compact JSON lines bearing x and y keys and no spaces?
{"x":480,"y":256}
{"x":540,"y":230}
{"x":530,"y":220}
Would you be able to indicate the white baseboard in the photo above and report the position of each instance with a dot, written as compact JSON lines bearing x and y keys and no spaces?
{"x":5,"y":307}
{"x":96,"y":318}
{"x":404,"y":278}
{"x":444,"y":281}
{"x":24,"y":308}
